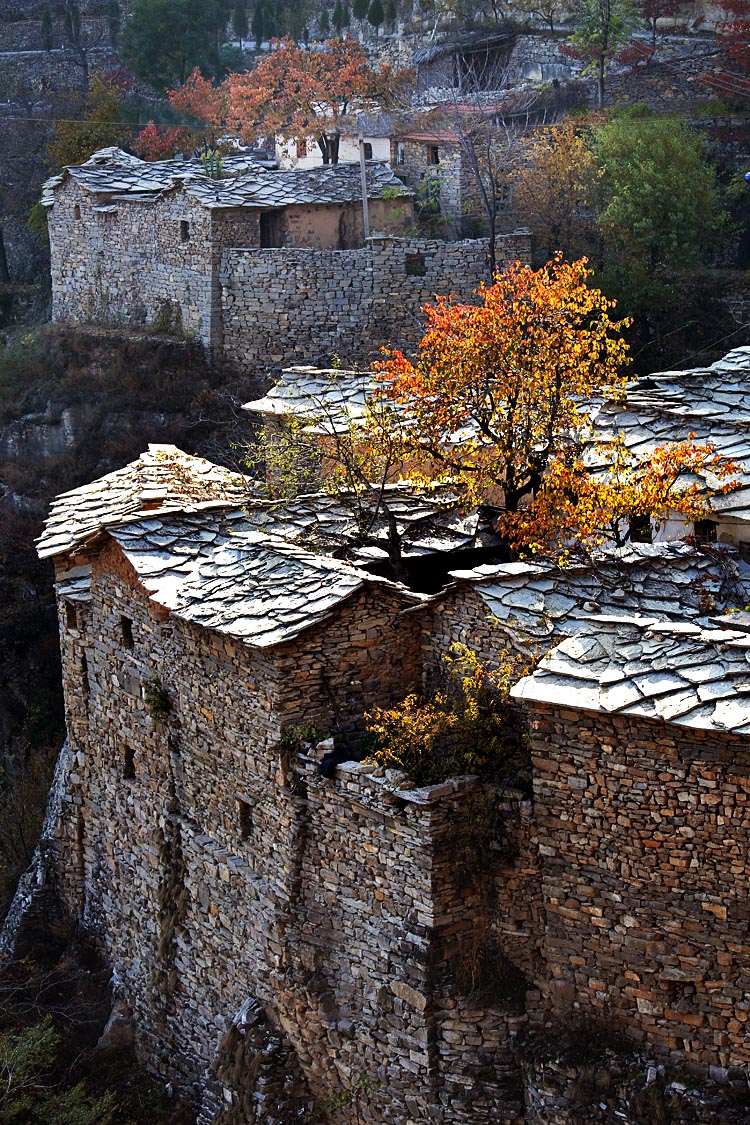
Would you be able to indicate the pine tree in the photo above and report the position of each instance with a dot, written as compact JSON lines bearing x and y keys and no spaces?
{"x":359,"y":8}
{"x":391,"y":14}
{"x":46,"y":28}
{"x":347,"y":14}
{"x":338,"y":16}
{"x":239,"y":20}
{"x":325,"y":23}
{"x":258,"y":24}
{"x":375,"y":13}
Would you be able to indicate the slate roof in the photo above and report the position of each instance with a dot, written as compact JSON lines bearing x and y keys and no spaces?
{"x":247,"y":584}
{"x":538,"y":603}
{"x":114,"y":176}
{"x":711,"y":402}
{"x":162,"y":477}
{"x":331,"y":397}
{"x":167,"y":480}
{"x":678,"y":672}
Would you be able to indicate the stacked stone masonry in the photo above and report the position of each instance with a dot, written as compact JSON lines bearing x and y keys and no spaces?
{"x":292,"y":306}
{"x":215,"y":867}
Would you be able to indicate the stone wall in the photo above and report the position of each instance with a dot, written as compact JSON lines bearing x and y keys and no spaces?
{"x":643,"y":837}
{"x":222,"y":874}
{"x":121,"y":261}
{"x":291,"y":306}
{"x":125,"y":264}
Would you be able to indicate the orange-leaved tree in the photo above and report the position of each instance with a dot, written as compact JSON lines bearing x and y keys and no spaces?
{"x":601,"y":498}
{"x":497,"y":389}
{"x":293,"y":93}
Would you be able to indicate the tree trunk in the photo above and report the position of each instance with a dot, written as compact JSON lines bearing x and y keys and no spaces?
{"x":4,"y":271}
{"x":600,"y":82}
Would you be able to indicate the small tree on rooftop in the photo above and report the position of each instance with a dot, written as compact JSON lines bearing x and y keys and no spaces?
{"x":353,"y":457}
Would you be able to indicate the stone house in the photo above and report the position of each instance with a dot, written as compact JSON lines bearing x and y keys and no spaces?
{"x":265,"y":266}
{"x":128,"y":236}
{"x":281,"y":922}
{"x":430,"y":161}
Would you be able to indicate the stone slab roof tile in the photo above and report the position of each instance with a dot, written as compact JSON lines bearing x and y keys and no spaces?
{"x":247,"y":584}
{"x":111,"y":172}
{"x":163,"y":476}
{"x":642,"y":670}
{"x":712,"y":403}
{"x":538,"y":602}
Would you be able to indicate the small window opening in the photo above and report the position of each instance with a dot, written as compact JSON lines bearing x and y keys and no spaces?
{"x":128,"y":763}
{"x":245,"y":813}
{"x":84,"y":674}
{"x":71,"y":617}
{"x":126,"y":632}
{"x":705,"y":531}
{"x":76,"y":211}
{"x":184,"y":230}
{"x":415,"y":265}
{"x":641,"y":530}
{"x":433,"y":154}
{"x":368,"y":150}
{"x":400,"y":153}
{"x":503,"y":197}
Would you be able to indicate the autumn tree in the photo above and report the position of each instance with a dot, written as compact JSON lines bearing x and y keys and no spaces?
{"x":553,"y":188}
{"x":653,"y":10}
{"x":495,"y":390}
{"x":601,"y":27}
{"x":603,"y":498}
{"x":293,"y":93}
{"x":99,"y":125}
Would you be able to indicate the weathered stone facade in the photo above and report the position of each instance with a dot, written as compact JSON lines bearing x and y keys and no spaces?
{"x":291,"y":937}
{"x":216,"y":867}
{"x":147,"y":244}
{"x":643,"y":834}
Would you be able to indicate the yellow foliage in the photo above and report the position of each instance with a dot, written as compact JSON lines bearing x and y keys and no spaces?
{"x":468,"y":726}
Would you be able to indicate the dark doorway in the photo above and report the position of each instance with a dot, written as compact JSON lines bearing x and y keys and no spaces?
{"x":271,"y":229}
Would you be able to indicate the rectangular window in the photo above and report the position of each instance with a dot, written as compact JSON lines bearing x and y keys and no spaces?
{"x":415,"y":265}
{"x":503,"y":197}
{"x":400,"y":153}
{"x":184,"y":230}
{"x":433,"y":154}
{"x":705,"y":531}
{"x":640,"y":529}
{"x":126,"y":632}
{"x":368,"y":150}
{"x":128,"y":763}
{"x":245,"y":818}
{"x":71,"y":616}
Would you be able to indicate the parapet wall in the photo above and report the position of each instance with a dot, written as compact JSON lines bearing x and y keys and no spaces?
{"x":290,"y":306}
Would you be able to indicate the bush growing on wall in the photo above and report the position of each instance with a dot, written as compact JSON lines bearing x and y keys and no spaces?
{"x":467,"y":726}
